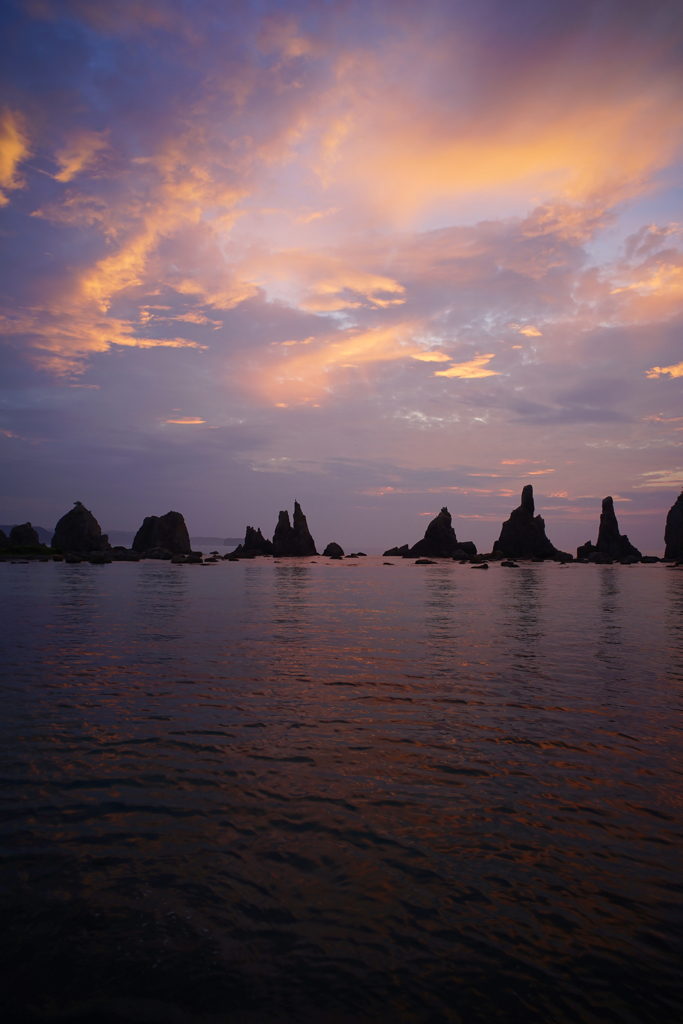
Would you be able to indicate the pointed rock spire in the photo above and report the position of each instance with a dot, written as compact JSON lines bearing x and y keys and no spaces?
{"x":610,"y":541}
{"x":523,"y":534}
{"x":673,"y":535}
{"x":294,"y":538}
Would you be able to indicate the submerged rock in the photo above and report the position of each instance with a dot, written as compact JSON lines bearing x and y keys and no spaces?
{"x":673,"y":534}
{"x":254,"y":544}
{"x":523,"y":534}
{"x":79,"y":531}
{"x":294,"y":539}
{"x":333,"y":551}
{"x":610,"y":541}
{"x":24,"y":534}
{"x":169,"y":532}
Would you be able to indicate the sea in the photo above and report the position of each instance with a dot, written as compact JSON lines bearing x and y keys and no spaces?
{"x":305,"y":791}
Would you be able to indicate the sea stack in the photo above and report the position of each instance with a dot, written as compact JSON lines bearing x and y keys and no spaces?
{"x":295,"y":539}
{"x":24,"y":534}
{"x":168,"y":533}
{"x":523,"y":534}
{"x":254,"y":544}
{"x":610,"y":541}
{"x":439,"y":541}
{"x":79,"y":531}
{"x":673,"y":535}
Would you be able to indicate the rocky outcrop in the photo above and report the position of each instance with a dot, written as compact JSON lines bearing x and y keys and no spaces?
{"x":168,"y":532}
{"x":673,"y":534}
{"x":333,"y":551}
{"x":120,"y":554}
{"x":439,"y":541}
{"x":79,"y":531}
{"x":295,"y":539}
{"x":523,"y":534}
{"x":254,"y":544}
{"x":24,"y":534}
{"x":585,"y":550}
{"x":610,"y":542}
{"x":4,"y":539}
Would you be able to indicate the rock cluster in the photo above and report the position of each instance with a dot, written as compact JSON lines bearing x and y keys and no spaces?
{"x":168,"y":533}
{"x":24,"y":534}
{"x":523,"y":534}
{"x":439,"y":541}
{"x":333,"y":551}
{"x":610,"y":544}
{"x":673,"y":534}
{"x":293,"y":539}
{"x":254,"y":544}
{"x":4,"y":539}
{"x":79,"y":531}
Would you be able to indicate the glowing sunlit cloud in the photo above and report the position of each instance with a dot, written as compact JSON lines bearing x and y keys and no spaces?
{"x":659,"y":371}
{"x":473,"y":368}
{"x":432,"y":357}
{"x":186,"y":420}
{"x":14,"y":147}
{"x":531,"y":332}
{"x":80,"y":153}
{"x":663,"y":478}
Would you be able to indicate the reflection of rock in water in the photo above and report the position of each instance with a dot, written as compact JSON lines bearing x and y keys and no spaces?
{"x":160,"y":596}
{"x":525,"y":591}
{"x":610,"y":635}
{"x":441,"y":592}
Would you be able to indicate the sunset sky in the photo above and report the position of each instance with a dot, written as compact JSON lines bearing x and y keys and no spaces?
{"x":377,"y":256}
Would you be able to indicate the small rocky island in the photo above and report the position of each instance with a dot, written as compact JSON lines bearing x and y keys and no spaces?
{"x":292,"y":540}
{"x":673,"y":534}
{"x":523,"y":534}
{"x":439,"y":541}
{"x":611,"y":545}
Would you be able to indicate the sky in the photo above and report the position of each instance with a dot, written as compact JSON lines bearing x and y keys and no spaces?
{"x":377,"y":256}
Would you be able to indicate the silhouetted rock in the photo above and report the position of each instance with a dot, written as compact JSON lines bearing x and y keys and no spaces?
{"x":610,"y":541}
{"x":169,"y":532}
{"x":164,"y":554}
{"x":254,"y":544}
{"x":333,"y":551}
{"x":4,"y":539}
{"x":294,"y":539}
{"x":523,"y":534}
{"x":24,"y":534}
{"x":399,"y":552}
{"x":120,"y":554}
{"x":584,"y":550}
{"x":673,"y":535}
{"x":465,"y":549}
{"x":99,"y":558}
{"x":79,"y":531}
{"x":439,"y":540}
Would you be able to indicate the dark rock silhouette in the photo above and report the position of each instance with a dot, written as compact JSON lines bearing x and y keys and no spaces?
{"x":523,"y":534}
{"x":610,"y":542}
{"x":163,"y":554}
{"x":121,"y":554}
{"x":24,"y":534}
{"x":400,"y":552}
{"x":169,"y":532}
{"x":4,"y":539}
{"x":294,"y":539}
{"x":585,"y":550}
{"x":254,"y":544}
{"x":439,"y":541}
{"x":333,"y":551}
{"x":79,"y":531}
{"x":673,"y":534}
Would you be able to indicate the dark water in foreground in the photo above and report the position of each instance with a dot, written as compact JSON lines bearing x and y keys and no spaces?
{"x":341,"y":792}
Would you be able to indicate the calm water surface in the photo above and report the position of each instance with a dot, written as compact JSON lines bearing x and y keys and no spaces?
{"x":342,"y":792}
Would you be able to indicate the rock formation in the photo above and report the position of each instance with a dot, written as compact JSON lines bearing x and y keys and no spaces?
{"x":254,"y":544}
{"x":673,"y":535}
{"x":78,"y":530}
{"x":610,"y":542}
{"x":168,"y":532}
{"x":333,"y":551}
{"x":4,"y":539}
{"x":293,"y":539}
{"x":439,"y":541}
{"x":523,"y":534}
{"x":24,"y":534}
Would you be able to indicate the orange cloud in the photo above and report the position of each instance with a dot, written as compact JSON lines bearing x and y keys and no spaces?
{"x":186,"y":420}
{"x":475,"y":367}
{"x":659,"y":371}
{"x":81,"y":152}
{"x":14,"y":147}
